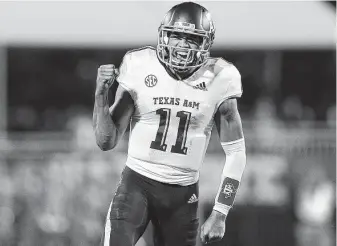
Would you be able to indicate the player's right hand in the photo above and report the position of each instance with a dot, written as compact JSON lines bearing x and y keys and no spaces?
{"x":106,"y":75}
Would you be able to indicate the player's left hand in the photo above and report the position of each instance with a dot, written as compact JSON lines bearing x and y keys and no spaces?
{"x":214,"y":228}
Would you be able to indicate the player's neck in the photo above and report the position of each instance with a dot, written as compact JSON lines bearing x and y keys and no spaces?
{"x":180,"y":75}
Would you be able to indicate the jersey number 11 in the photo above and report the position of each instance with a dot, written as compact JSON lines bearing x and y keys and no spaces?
{"x":159,"y":143}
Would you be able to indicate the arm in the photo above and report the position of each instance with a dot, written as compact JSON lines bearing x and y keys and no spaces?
{"x":110,"y":123}
{"x":229,"y":126}
{"x":228,"y":123}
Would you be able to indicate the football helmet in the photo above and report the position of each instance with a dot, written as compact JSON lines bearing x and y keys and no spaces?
{"x":188,"y":18}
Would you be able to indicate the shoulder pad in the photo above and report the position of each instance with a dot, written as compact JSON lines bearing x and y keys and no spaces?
{"x":132,"y":59}
{"x":138,"y":55}
{"x":228,"y":78}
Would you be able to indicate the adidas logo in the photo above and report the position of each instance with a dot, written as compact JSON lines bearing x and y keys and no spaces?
{"x":193,"y":199}
{"x":201,"y":86}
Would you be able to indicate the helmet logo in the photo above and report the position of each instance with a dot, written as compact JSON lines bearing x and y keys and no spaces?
{"x":184,"y":25}
{"x":151,"y":80}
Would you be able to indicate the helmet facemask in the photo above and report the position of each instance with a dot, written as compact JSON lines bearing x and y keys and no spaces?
{"x":194,"y":58}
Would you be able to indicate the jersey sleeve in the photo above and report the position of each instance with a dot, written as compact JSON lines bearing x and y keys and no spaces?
{"x":231,"y":78}
{"x":125,"y":77}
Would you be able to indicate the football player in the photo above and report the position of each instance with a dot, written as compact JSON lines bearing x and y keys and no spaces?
{"x":171,"y":96}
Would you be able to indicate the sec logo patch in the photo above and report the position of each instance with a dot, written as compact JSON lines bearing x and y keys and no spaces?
{"x":151,"y":80}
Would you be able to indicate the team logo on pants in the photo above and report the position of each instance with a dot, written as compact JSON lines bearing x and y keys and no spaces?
{"x":193,"y":199}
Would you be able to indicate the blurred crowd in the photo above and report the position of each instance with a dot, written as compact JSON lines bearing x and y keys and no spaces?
{"x":58,"y":198}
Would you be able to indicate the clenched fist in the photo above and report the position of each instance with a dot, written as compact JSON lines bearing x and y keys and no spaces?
{"x":214,"y":228}
{"x":106,"y":75}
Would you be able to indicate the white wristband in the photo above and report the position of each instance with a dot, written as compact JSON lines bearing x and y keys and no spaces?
{"x":222,"y":208}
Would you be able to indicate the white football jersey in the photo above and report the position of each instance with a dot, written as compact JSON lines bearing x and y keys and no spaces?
{"x":173,"y":119}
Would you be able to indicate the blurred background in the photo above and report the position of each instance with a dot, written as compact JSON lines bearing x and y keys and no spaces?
{"x":55,"y":183}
